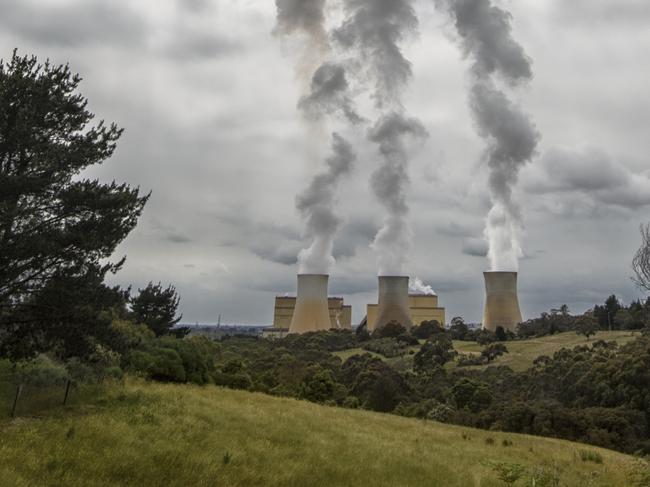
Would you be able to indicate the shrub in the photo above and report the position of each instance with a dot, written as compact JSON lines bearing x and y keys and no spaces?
{"x":508,"y":472}
{"x":390,"y":330}
{"x":427,"y":328}
{"x":591,"y":456}
{"x":545,"y":477}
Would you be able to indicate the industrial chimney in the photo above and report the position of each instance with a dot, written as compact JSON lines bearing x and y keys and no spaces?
{"x":393,"y":303}
{"x":501,"y":302}
{"x":311,"y":312}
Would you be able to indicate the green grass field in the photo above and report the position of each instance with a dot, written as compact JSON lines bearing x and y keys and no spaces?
{"x":144,"y":434}
{"x":521,"y":354}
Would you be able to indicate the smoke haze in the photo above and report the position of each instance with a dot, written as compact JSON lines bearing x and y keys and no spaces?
{"x":486,"y":37}
{"x":316,"y":206}
{"x":375,"y":29}
{"x":389,"y":182}
{"x":327,"y":96}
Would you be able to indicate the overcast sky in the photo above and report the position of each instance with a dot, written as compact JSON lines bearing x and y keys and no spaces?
{"x":207,"y":96}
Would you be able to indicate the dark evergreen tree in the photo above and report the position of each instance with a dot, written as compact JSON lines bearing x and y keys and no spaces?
{"x":55,"y":226}
{"x":156,"y":307}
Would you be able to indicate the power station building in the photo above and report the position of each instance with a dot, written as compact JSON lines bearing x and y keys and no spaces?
{"x":340,"y":313}
{"x":422,"y":307}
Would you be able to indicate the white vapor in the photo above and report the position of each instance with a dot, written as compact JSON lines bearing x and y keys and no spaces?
{"x":375,"y":30}
{"x":486,"y":37}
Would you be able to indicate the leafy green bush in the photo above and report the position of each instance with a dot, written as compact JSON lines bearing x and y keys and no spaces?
{"x":591,"y":456}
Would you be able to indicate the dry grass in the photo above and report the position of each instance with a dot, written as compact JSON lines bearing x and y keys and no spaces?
{"x":522,"y":353}
{"x":179,"y":435}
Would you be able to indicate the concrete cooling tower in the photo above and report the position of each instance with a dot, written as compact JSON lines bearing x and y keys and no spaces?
{"x":393,"y":304}
{"x":312,"y":310}
{"x":501,"y":302}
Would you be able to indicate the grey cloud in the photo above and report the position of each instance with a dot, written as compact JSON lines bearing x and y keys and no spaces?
{"x":195,"y":6}
{"x":285,"y":253}
{"x":591,"y":173}
{"x":454,"y":229}
{"x":589,"y":11}
{"x":352,"y":285}
{"x":73,"y":24}
{"x":189,"y":44}
{"x":476,"y":247}
{"x":178,"y":238}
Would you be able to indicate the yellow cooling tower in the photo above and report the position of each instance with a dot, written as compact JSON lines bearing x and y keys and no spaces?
{"x":312,"y":311}
{"x":393,"y":303}
{"x":501,"y":302}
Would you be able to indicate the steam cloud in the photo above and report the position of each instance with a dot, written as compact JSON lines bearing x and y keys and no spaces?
{"x":375,"y":29}
{"x":327,"y":96}
{"x":418,"y":286}
{"x":306,"y":16}
{"x":316,"y":205}
{"x":486,"y":37}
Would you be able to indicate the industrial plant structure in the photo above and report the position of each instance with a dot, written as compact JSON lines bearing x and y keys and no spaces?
{"x":312,"y":312}
{"x":393,"y":302}
{"x":340,"y":313}
{"x":422,"y":307}
{"x":311,"y":309}
{"x":501,"y":301}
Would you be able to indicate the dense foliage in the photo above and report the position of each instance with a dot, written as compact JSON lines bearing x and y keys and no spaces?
{"x":56,"y":228}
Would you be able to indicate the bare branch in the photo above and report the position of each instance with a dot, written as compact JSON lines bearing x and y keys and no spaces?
{"x":641,"y":261}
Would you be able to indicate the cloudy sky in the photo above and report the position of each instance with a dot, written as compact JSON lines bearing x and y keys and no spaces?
{"x":207,"y":96}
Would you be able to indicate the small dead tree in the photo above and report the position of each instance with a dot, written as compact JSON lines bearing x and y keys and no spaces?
{"x":641,"y":261}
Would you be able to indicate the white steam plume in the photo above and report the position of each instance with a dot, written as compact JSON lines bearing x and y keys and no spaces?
{"x":486,"y":37}
{"x":375,"y":29}
{"x":418,"y":286}
{"x":327,"y":96}
{"x":316,"y":205}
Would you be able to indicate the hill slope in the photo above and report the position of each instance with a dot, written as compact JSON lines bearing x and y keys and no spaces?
{"x":522,"y":353}
{"x":178,"y":435}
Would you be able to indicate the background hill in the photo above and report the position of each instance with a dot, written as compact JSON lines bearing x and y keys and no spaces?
{"x":179,"y":435}
{"x":521,"y":353}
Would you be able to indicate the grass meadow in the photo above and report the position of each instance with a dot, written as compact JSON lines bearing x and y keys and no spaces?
{"x":149,"y":434}
{"x":521,"y":353}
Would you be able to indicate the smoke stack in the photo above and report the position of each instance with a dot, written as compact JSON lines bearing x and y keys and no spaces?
{"x":393,"y":303}
{"x":501,"y":302}
{"x":312,"y":311}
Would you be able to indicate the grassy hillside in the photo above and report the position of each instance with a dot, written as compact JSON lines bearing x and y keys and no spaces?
{"x":521,"y":353}
{"x":177,"y":435}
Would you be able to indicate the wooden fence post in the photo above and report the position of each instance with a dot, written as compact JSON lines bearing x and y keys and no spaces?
{"x":19,"y":390}
{"x":67,"y":390}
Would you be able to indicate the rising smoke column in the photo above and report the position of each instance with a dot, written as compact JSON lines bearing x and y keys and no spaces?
{"x":327,"y":96}
{"x":375,"y":29}
{"x":306,"y":17}
{"x":316,"y":206}
{"x":486,"y":37}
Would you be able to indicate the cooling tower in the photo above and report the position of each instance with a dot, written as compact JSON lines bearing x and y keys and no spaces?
{"x":393,"y":303}
{"x":312,"y":310}
{"x":501,"y":302}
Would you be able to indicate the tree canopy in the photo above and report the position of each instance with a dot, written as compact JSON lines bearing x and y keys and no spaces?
{"x":57,"y":227}
{"x":52,"y":219}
